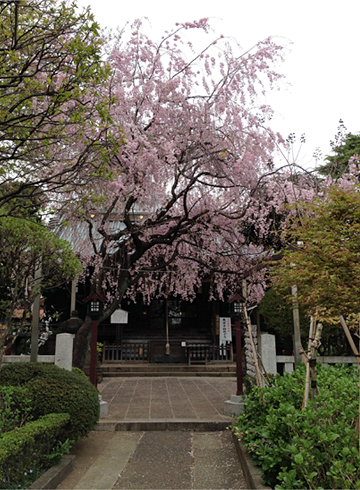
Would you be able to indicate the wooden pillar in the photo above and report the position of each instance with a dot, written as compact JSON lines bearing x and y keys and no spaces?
{"x":93,"y":356}
{"x":239,"y":370}
{"x":73,"y":297}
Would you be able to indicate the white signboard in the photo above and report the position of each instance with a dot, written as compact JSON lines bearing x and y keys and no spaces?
{"x":225,"y":330}
{"x":119,"y":316}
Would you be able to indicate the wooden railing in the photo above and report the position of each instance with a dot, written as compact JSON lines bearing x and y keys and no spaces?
{"x":202,"y":353}
{"x":196,"y":352}
{"x":126,"y":351}
{"x":221,"y":352}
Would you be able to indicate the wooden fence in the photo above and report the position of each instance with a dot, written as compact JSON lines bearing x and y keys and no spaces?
{"x":195,"y":352}
{"x":134,"y":351}
{"x":202,"y":353}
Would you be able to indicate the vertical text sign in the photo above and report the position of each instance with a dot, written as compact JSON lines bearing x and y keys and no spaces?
{"x":225,"y":330}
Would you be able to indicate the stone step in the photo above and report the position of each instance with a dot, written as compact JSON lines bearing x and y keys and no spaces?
{"x":106,"y":367}
{"x":128,"y":374}
{"x":115,"y":369}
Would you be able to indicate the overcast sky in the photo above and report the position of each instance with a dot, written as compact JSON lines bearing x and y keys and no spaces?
{"x":323,"y":66}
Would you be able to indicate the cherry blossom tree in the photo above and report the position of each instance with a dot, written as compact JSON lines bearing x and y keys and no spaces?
{"x":196,"y":171}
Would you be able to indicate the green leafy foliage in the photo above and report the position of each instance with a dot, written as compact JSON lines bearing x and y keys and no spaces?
{"x":326,"y":265}
{"x":311,"y":448}
{"x":55,"y":390}
{"x":60,"y":449}
{"x":23,"y":245}
{"x":338,"y":164}
{"x":277,"y":314}
{"x":24,"y":450}
{"x":15,"y":407}
{"x":51,"y":68}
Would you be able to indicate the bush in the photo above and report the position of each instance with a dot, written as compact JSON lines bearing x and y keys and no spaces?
{"x":25,"y":450}
{"x":15,"y":407}
{"x":55,"y":390}
{"x":311,"y":448}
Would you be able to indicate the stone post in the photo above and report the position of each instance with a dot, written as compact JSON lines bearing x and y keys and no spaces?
{"x":268,"y":353}
{"x":64,"y":350}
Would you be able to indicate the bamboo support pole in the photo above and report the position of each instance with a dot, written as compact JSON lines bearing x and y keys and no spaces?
{"x":315,"y":344}
{"x":350,"y":339}
{"x":298,"y":350}
{"x":307,"y":379}
{"x":356,"y":353}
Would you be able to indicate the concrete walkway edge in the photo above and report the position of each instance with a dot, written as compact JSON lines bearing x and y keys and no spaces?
{"x":251,"y":472}
{"x":167,"y":425}
{"x":55,"y":475}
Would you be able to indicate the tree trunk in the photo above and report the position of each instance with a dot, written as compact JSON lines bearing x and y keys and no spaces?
{"x":81,"y":343}
{"x":2,"y":346}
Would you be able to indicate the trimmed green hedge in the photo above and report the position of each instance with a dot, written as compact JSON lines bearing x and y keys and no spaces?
{"x":24,"y":450}
{"x":55,"y":390}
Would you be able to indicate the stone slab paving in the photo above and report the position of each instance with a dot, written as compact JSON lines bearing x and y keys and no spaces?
{"x":160,"y":459}
{"x":156,"y":460}
{"x":168,"y":398}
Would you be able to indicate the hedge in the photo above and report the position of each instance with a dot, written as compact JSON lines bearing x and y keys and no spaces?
{"x":316,"y":447}
{"x":55,"y":390}
{"x":15,"y":407}
{"x":24,"y":450}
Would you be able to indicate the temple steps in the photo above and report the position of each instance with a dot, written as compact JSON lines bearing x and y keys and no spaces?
{"x":166,"y":369}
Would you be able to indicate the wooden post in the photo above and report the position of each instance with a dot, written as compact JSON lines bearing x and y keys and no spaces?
{"x":167,"y":346}
{"x":93,"y":354}
{"x":312,"y":360}
{"x":73,"y":296}
{"x":239,"y":371}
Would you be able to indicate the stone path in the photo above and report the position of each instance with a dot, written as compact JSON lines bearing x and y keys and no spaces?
{"x":176,"y":459}
{"x":156,"y":460}
{"x":170,"y":398}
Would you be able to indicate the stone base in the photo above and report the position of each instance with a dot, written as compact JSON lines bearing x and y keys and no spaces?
{"x":104,"y":408}
{"x":235,"y":406}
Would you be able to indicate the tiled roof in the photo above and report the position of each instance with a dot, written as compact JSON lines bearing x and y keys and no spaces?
{"x":77,"y":234}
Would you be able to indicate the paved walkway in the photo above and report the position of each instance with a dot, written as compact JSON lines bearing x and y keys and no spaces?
{"x":154,"y":459}
{"x":172,"y":398}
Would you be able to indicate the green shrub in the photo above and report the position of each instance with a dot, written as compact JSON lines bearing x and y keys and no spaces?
{"x":311,"y":448}
{"x":79,"y":371}
{"x":25,"y":450}
{"x":15,"y":407}
{"x":20,"y":373}
{"x":55,"y":390}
